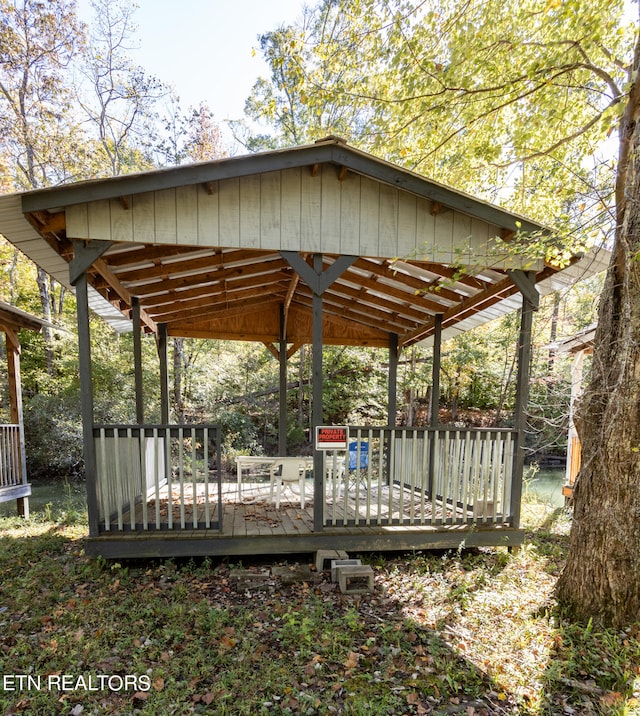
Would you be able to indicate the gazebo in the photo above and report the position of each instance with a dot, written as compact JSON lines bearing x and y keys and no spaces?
{"x":321,"y":244}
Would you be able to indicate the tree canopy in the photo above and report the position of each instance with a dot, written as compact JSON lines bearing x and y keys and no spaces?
{"x":510,"y":101}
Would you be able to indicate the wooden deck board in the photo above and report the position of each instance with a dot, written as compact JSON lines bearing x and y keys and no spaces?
{"x":259,"y":517}
{"x":255,"y":526}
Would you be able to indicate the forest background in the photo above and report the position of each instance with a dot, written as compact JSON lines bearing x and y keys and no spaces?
{"x":436,"y":89}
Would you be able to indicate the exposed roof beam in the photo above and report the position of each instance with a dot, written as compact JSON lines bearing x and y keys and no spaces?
{"x":206,"y":277}
{"x":215,"y":289}
{"x":186,"y":265}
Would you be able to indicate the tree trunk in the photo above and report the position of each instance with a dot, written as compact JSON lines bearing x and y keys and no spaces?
{"x":601,"y":579}
{"x":553,"y":334}
{"x":47,"y":334}
{"x":178,"y":347}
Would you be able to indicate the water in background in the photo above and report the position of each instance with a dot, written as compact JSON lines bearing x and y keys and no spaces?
{"x":545,"y":485}
{"x":51,"y":493}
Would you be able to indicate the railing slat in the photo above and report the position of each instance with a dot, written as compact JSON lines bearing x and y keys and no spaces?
{"x":12,"y":471}
{"x":138,"y":463}
{"x":183,"y":521}
{"x":207,"y":508}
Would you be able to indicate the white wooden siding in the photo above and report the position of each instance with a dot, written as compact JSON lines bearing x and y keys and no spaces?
{"x":293,"y":210}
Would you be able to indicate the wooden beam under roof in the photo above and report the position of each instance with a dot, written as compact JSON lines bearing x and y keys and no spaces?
{"x":406,"y":312}
{"x":54,"y":223}
{"x":455,"y":314}
{"x":188,"y":265}
{"x":421,"y":301}
{"x":252,"y":311}
{"x":214,"y":289}
{"x":238,"y":304}
{"x":103,"y":269}
{"x":453,"y":274}
{"x":120,"y":255}
{"x":386,"y":270}
{"x":365,"y":316}
{"x":206,"y":277}
{"x":195,"y":307}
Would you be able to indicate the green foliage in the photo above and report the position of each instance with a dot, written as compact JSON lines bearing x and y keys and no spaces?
{"x":39,"y":140}
{"x":504,"y":100}
{"x":53,"y":437}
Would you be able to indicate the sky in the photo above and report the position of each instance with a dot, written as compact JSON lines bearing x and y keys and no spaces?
{"x":203,"y":48}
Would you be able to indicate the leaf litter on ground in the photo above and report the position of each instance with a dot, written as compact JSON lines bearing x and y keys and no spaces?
{"x":473,"y":632}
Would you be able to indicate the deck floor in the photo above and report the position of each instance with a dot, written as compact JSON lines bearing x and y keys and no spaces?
{"x":255,"y":514}
{"x":253,"y":526}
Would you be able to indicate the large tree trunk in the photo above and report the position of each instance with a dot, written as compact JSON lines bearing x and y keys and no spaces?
{"x":601,"y":579}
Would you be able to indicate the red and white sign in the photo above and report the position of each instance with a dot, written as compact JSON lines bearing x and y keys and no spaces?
{"x":332,"y":437}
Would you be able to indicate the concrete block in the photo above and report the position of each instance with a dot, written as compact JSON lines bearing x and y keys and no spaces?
{"x":335,"y":563}
{"x":322,"y":555}
{"x":485,"y":508}
{"x":292,"y":574}
{"x":246,"y":580}
{"x":356,"y":579}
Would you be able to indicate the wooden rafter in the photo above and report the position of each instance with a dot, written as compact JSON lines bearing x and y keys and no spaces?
{"x":239,"y":308}
{"x":118,"y":257}
{"x":187,"y":265}
{"x":102,"y":268}
{"x":223,"y":310}
{"x":496,"y":293}
{"x":207,"y":277}
{"x":210,"y":303}
{"x":386,"y":270}
{"x":214,"y":289}
{"x":357,"y":314}
{"x":420,"y":301}
{"x":452,"y":274}
{"x":378,"y":307}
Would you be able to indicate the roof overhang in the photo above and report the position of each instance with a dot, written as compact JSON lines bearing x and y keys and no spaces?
{"x":203,"y":247}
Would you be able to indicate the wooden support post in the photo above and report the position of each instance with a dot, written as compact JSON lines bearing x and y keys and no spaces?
{"x":318,"y":281}
{"x":522,"y":392}
{"x":137,"y":359}
{"x":435,"y":400}
{"x":435,"y":370}
{"x":282,"y":357}
{"x":86,"y":393}
{"x":161,"y":344}
{"x":392,"y":385}
{"x":318,"y":457}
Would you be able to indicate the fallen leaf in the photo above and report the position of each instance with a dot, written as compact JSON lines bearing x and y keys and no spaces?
{"x":158,"y":684}
{"x":611,"y":698}
{"x":352,"y":660}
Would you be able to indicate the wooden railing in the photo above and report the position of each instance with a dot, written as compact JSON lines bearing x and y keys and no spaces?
{"x":158,"y":477}
{"x":12,"y":471}
{"x":425,"y":476}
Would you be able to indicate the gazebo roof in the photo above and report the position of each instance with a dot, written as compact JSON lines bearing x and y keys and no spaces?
{"x":206,"y":248}
{"x":15,"y":319}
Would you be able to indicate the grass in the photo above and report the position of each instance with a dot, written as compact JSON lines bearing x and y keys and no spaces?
{"x":473,"y":632}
